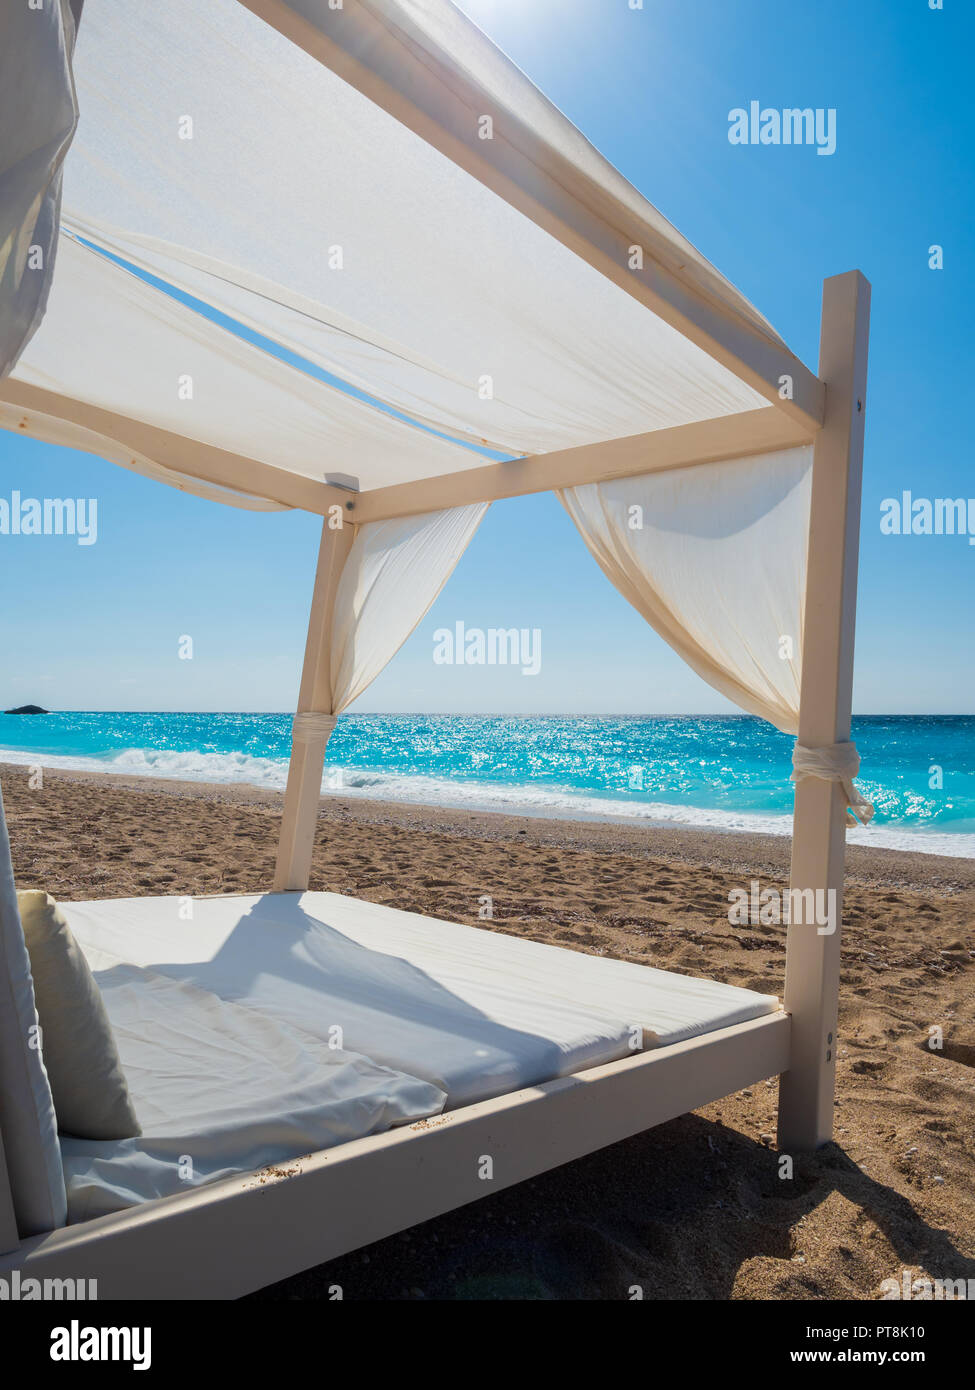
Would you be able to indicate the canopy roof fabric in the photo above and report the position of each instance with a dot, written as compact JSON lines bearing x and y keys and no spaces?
{"x":38,"y":115}
{"x":220,"y":157}
{"x":142,"y":351}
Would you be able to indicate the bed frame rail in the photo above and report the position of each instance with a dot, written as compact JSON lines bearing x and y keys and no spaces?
{"x":243,"y":1233}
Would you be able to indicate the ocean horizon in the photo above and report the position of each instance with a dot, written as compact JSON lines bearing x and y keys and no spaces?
{"x":715,"y":772}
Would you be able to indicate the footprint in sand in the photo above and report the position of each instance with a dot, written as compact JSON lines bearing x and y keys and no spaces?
{"x":864,"y":1067}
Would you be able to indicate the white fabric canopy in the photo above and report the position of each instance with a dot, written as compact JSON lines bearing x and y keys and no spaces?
{"x":38,"y":114}
{"x":111,"y":339}
{"x":714,"y":557}
{"x":455,"y":50}
{"x":448,"y":303}
{"x":394,"y":572}
{"x":327,"y":220}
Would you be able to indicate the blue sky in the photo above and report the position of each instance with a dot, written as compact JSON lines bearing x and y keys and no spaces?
{"x":97,"y":627}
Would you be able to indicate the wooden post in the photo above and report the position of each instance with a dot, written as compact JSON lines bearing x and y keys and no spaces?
{"x":819,"y":826}
{"x":301,"y":798}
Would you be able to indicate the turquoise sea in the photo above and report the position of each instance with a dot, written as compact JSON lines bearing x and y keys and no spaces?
{"x":720,"y":772}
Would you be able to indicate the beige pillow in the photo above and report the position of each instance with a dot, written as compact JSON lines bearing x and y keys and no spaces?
{"x":91,"y":1097}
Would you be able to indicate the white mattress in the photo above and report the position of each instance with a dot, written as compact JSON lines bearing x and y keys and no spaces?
{"x":220,"y":1089}
{"x":263,"y":989}
{"x":474,"y":1012}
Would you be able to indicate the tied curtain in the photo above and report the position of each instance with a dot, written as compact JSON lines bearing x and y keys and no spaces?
{"x":30,"y":1157}
{"x":393,"y":573}
{"x":38,"y":115}
{"x":714,"y":558}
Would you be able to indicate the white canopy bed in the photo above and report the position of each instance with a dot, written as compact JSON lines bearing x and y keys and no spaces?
{"x":348,"y":259}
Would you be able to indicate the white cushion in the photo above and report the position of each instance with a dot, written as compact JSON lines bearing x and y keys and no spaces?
{"x":222,"y":1089}
{"x":27,"y":1121}
{"x":91,"y":1097}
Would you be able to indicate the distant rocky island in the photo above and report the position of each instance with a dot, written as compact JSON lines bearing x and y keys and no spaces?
{"x":27,"y":709}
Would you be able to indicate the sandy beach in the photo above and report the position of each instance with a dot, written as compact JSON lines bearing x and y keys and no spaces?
{"x":693,"y":1209}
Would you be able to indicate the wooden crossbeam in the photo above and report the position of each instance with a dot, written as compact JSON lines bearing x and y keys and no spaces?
{"x":172,"y":451}
{"x":705,"y":441}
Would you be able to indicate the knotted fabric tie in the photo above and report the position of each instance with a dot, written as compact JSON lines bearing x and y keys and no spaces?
{"x":308,"y":726}
{"x":839,"y":762}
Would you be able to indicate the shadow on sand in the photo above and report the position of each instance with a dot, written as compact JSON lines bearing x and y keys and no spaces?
{"x":690,"y":1210}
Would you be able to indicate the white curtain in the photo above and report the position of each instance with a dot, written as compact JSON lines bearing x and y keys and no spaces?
{"x":38,"y":114}
{"x":29,"y":1150}
{"x":714,"y":557}
{"x":394,"y":572}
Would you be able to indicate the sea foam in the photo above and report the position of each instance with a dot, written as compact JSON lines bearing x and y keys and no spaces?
{"x":536,"y":800}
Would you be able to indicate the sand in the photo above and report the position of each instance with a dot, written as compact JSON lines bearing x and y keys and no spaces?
{"x":693,"y":1209}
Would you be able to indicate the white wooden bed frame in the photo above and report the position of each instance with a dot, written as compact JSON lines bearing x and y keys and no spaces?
{"x":243,"y":1233}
